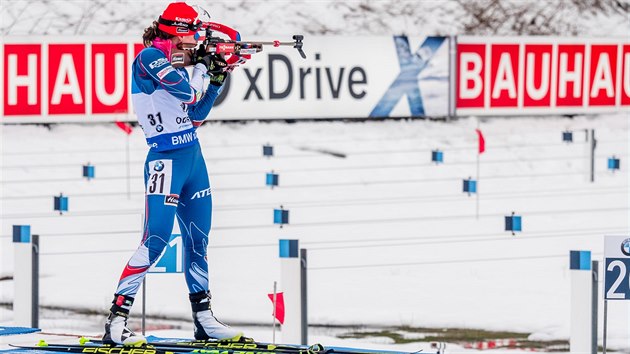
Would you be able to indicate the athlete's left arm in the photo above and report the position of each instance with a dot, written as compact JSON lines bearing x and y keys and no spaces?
{"x":200,"y":110}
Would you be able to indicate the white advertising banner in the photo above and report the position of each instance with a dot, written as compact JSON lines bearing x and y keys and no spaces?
{"x":541,"y":75}
{"x":84,"y":79}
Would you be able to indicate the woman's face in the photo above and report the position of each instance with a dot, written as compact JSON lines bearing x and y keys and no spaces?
{"x":185,"y":42}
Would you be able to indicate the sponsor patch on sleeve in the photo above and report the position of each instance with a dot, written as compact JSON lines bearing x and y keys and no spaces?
{"x":158,"y":62}
{"x":164,"y":72}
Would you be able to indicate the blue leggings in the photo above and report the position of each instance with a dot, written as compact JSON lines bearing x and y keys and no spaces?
{"x":177,"y":186}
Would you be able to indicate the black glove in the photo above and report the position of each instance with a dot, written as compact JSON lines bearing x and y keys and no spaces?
{"x":218,"y":79}
{"x":217,"y":67}
{"x":214,"y":63}
{"x":199,"y":54}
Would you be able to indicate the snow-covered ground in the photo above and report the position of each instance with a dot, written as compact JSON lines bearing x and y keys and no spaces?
{"x":392,"y":240}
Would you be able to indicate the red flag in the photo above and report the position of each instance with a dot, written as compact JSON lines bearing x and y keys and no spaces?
{"x":482,"y":141}
{"x":126,"y":127}
{"x":279,"y":306}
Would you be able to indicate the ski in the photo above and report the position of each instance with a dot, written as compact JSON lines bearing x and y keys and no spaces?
{"x":257,"y":347}
{"x":147,"y":349}
{"x":76,"y":348}
{"x":243,"y":345}
{"x":246,"y":345}
{"x":201,"y":347}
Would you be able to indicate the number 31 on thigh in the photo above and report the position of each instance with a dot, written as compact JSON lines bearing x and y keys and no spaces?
{"x":160,"y":175}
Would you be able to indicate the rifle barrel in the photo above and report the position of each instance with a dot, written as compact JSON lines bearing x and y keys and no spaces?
{"x":269,"y":43}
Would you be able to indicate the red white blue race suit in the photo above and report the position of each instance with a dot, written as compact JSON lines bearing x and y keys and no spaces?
{"x":170,"y":106}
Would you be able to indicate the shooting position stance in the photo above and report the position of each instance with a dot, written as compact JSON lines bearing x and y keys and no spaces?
{"x":171,"y":104}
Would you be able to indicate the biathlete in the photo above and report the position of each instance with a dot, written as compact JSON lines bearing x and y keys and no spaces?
{"x":170,"y":106}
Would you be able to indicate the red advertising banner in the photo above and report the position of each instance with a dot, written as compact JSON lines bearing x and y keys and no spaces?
{"x":603,"y":75}
{"x":66,"y":79}
{"x":109,"y":78}
{"x":541,"y":75}
{"x":72,"y":80}
{"x":538,"y":62}
{"x":22,"y":75}
{"x":470,"y":87}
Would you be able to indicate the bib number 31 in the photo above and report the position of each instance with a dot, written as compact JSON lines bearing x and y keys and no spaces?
{"x":160,"y":176}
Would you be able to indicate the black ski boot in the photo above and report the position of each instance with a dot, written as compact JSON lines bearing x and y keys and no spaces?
{"x":206,"y":325}
{"x":116,"y":330}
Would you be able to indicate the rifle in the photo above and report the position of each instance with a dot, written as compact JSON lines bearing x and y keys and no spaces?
{"x":238,"y":50}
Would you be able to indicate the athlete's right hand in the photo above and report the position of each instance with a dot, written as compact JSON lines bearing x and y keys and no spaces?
{"x":199,"y":54}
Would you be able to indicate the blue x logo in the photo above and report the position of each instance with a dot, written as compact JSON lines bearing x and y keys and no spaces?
{"x":406,"y":83}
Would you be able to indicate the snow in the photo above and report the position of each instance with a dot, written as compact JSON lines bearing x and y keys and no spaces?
{"x":391,"y":239}
{"x":328,"y":17}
